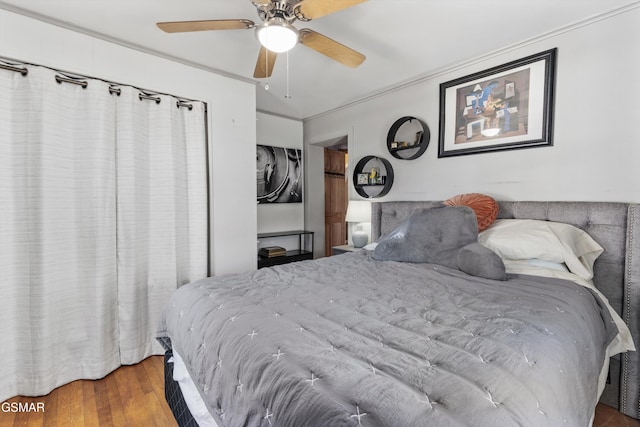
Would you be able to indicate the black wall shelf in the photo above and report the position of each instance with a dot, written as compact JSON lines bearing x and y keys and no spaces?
{"x":416,"y":137}
{"x":370,"y":190}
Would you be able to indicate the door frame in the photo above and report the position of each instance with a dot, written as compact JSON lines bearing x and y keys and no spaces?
{"x":314,"y":182}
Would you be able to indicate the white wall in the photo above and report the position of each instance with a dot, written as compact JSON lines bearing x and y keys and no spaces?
{"x":231,"y":115}
{"x":279,"y":132}
{"x":596,"y":152}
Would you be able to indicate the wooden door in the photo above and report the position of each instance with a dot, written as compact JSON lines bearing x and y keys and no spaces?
{"x":335,"y":199}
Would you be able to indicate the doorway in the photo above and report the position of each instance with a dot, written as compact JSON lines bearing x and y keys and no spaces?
{"x":336,"y":162}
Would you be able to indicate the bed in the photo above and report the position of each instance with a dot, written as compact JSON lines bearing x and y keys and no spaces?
{"x":353,"y":340}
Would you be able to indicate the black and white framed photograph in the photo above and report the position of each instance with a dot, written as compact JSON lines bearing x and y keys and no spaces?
{"x":279,"y":174}
{"x":505,"y":107}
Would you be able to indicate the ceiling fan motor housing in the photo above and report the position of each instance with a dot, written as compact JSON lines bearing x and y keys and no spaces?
{"x":278,"y":9}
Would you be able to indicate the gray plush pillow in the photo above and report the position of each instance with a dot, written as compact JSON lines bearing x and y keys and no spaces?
{"x":433,"y":235}
{"x":477,"y":260}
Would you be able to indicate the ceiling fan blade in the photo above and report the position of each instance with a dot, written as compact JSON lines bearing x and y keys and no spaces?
{"x":331,"y":48}
{"x":264,"y":65}
{"x":218,"y":24}
{"x":313,"y":9}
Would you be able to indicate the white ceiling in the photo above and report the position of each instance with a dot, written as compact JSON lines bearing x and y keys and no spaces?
{"x":402,"y":39}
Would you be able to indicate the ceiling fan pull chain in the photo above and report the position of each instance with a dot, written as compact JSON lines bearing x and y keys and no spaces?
{"x":287,"y":95}
{"x":266,"y":67}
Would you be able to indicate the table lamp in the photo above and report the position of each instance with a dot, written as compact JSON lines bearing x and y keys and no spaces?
{"x":359,"y":211}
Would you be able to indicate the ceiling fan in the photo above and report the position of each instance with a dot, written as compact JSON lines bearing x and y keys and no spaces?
{"x":276,"y":33}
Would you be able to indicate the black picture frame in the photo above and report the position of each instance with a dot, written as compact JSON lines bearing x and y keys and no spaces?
{"x":477,"y":116}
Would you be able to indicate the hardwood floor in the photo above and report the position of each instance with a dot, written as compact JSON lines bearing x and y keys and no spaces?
{"x":609,"y":417}
{"x":128,"y":397}
{"x":133,"y":396}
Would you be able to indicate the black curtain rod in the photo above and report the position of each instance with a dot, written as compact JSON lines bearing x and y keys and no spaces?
{"x":113,"y":87}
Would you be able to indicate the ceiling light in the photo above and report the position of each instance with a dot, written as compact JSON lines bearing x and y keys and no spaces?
{"x":277,"y":35}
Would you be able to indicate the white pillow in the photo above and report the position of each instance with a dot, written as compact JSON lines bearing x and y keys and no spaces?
{"x":550,"y":265}
{"x":535,"y":262}
{"x":543,"y":240}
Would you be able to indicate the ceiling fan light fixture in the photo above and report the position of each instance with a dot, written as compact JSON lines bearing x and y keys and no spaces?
{"x":277,"y":35}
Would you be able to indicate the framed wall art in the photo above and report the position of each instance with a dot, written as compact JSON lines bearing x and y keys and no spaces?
{"x":279,"y":174}
{"x":505,"y":107}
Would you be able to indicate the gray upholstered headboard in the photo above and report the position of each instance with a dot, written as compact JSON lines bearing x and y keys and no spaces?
{"x":616,"y":227}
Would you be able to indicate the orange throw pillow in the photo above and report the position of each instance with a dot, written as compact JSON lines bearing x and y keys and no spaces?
{"x":485,"y":207}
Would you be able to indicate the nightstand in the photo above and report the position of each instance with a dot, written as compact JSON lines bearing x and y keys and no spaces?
{"x":337,"y":250}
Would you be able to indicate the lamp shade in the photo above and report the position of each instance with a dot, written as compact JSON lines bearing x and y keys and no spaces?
{"x":358,"y":211}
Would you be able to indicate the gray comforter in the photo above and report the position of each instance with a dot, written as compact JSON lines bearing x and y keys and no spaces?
{"x":348,"y":340}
